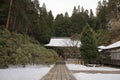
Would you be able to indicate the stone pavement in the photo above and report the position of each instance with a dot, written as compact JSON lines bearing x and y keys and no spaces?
{"x":59,"y":72}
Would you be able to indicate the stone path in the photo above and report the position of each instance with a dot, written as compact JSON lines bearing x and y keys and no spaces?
{"x":59,"y":72}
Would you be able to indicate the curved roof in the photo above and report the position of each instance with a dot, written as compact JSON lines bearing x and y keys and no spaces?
{"x":63,"y":42}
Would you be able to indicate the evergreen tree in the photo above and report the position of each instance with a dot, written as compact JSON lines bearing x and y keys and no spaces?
{"x":37,"y":5}
{"x":82,"y":9}
{"x":8,"y":17}
{"x":103,"y":36}
{"x":78,"y":21}
{"x":78,"y":8}
{"x":66,"y":14}
{"x":44,"y":32}
{"x":92,"y":20}
{"x":62,"y":26}
{"x":89,"y":52}
{"x":58,"y":25}
{"x":99,"y":7}
{"x":50,"y":20}
{"x":91,"y":14}
{"x":4,"y":6}
{"x":24,"y":16}
{"x":102,"y":15}
{"x":28,"y":18}
{"x":75,"y":10}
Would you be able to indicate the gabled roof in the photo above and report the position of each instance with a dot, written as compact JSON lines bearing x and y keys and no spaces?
{"x":63,"y":42}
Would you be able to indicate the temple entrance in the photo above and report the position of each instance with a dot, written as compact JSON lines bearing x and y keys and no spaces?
{"x":65,"y":47}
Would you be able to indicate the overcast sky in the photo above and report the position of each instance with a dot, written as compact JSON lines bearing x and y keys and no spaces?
{"x":62,"y":6}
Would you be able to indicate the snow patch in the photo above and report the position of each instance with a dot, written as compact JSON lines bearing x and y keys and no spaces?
{"x":84,"y":76}
{"x":32,"y":72}
{"x":82,"y":67}
{"x":90,"y":76}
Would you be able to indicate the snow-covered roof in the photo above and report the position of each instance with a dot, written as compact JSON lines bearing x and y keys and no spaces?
{"x":63,"y":42}
{"x":101,"y":47}
{"x":114,"y":45}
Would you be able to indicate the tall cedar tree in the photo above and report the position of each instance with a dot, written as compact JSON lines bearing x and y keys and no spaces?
{"x":4,"y":5}
{"x":23,"y":16}
{"x":79,"y":20}
{"x":46,"y":25}
{"x":89,"y":52}
{"x":62,"y":25}
{"x":102,"y":15}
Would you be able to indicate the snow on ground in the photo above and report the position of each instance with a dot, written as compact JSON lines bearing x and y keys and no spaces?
{"x":36,"y":72}
{"x":98,"y":76}
{"x":90,"y":76}
{"x":33,"y":72}
{"x":81,"y":67}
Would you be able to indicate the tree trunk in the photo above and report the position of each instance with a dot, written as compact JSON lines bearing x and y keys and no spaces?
{"x":8,"y":18}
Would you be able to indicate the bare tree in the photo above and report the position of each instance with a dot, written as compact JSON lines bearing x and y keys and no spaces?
{"x":72,"y":48}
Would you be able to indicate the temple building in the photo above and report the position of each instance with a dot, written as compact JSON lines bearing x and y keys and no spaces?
{"x":64,"y":46}
{"x":111,"y":54}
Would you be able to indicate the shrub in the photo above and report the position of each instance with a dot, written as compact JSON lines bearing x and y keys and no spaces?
{"x":22,"y":49}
